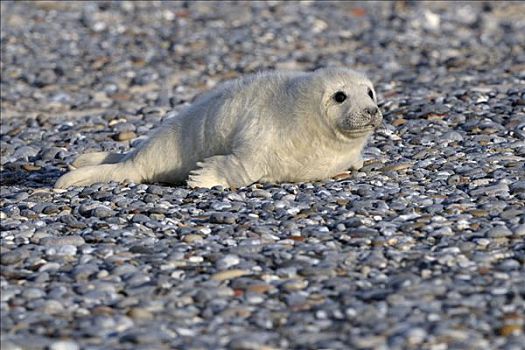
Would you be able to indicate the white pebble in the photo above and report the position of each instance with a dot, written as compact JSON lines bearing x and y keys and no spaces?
{"x":64,"y":345}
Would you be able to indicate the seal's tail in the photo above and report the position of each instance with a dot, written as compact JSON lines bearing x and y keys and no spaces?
{"x":97,"y":158}
{"x":87,"y":175}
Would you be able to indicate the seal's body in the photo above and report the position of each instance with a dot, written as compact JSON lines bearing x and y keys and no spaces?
{"x":268,"y":127}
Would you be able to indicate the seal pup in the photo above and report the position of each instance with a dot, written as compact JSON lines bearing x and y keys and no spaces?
{"x":267,"y":127}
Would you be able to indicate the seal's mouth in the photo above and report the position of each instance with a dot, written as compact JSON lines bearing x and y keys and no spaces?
{"x":359,"y":132}
{"x":359,"y":125}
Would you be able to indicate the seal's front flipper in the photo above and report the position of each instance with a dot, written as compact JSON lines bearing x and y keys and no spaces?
{"x":225,"y":171}
{"x":357,"y":164}
{"x":97,"y":158}
{"x":99,"y":173}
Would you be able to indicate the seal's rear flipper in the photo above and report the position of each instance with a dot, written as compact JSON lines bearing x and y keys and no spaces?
{"x":97,"y":158}
{"x":88,"y":175}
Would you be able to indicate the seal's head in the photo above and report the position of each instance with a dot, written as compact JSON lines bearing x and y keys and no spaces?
{"x":348,"y":102}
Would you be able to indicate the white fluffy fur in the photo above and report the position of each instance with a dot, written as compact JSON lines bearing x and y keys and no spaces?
{"x":268,"y":127}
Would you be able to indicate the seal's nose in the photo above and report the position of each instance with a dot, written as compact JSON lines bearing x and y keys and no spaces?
{"x":371,"y":110}
{"x":374,"y":115}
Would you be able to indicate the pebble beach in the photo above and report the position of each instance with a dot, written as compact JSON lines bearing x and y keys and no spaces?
{"x":422,"y":248}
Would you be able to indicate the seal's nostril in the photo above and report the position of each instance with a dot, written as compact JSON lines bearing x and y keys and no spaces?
{"x":371,"y":110}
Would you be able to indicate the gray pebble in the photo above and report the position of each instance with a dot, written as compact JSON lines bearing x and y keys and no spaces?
{"x":499,"y":231}
{"x":222,"y":218}
{"x":26,"y":152}
{"x":63,"y":240}
{"x":14,"y":256}
{"x":452,"y":136}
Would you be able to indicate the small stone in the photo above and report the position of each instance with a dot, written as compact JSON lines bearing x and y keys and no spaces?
{"x":102,"y":212}
{"x":342,"y":176}
{"x":33,"y":293}
{"x":227,"y":261}
{"x":14,"y":256}
{"x":31,"y":167}
{"x":50,"y":209}
{"x":52,"y":307}
{"x":398,"y":122}
{"x":295,"y":285}
{"x":260,"y":288}
{"x":64,"y":240}
{"x":192,"y":238}
{"x":222,"y":218}
{"x":124,"y":136}
{"x":479,"y":213}
{"x":251,"y":341}
{"x":142,"y":249}
{"x":396,"y":167}
{"x":7,"y":345}
{"x":157,"y":190}
{"x":122,"y":126}
{"x":510,"y":329}
{"x":483,"y":242}
{"x":71,"y":221}
{"x":64,"y":345}
{"x":416,"y":336}
{"x":26,"y":152}
{"x":50,"y":266}
{"x":195,"y":259}
{"x":509,"y":265}
{"x":140,"y":218}
{"x":67,"y":249}
{"x":517,"y":187}
{"x":520,"y":230}
{"x":499,"y":231}
{"x":229,"y":274}
{"x":490,"y":190}
{"x":452,"y":136}
{"x":50,"y":153}
{"x":83,"y":272}
{"x":140,"y":313}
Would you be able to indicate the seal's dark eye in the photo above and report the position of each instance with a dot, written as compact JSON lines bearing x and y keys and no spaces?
{"x":370,"y":93}
{"x":339,"y":97}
